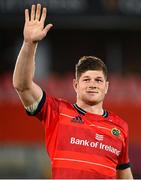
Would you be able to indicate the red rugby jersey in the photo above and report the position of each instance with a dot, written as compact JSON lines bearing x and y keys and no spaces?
{"x":81,"y":144}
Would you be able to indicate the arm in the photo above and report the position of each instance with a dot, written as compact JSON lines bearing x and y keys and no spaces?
{"x":34,"y":31}
{"x":124,"y":174}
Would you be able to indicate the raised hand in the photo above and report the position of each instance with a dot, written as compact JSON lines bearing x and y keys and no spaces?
{"x":34,"y":29}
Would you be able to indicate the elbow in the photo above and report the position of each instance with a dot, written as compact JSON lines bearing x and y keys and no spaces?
{"x":20,"y":86}
{"x":16,"y":83}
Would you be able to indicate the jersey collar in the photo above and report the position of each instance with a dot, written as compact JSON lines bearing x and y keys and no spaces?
{"x":83,"y":112}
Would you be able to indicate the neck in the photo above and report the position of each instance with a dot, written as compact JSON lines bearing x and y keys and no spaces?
{"x":95,"y":109}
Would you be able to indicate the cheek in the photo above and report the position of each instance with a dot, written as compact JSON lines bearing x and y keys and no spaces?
{"x":103,"y":89}
{"x":81,"y":89}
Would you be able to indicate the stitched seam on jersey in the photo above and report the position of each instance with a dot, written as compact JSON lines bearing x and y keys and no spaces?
{"x":87,"y":162}
{"x":100,"y":127}
{"x":89,"y":125}
{"x":66,"y":115}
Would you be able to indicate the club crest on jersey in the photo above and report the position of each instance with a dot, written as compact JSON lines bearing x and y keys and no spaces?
{"x":115,"y":132}
{"x":77,"y":119}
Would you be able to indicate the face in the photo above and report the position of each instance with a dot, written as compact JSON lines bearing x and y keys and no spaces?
{"x":91,"y":87}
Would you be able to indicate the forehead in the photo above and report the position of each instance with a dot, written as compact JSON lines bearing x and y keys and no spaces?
{"x":92,"y":74}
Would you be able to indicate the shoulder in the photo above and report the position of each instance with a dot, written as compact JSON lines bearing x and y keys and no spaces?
{"x":50,"y":104}
{"x":64,"y":104}
{"x":61,"y":103}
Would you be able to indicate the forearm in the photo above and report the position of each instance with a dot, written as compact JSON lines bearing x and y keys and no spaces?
{"x":25,"y":67}
{"x":124,"y":174}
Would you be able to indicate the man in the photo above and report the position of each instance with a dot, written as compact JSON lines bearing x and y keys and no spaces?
{"x":83,"y":140}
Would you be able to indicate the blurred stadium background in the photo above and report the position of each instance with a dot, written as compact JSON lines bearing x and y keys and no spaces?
{"x":109,"y":29}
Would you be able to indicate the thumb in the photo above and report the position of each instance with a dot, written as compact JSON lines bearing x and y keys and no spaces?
{"x":47,"y":28}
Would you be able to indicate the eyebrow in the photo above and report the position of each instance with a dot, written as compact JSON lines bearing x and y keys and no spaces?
{"x":99,"y":77}
{"x":86,"y":76}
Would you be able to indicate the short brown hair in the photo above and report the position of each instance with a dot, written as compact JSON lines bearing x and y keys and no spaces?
{"x":86,"y":63}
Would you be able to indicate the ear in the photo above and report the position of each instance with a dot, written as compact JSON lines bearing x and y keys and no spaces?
{"x":107,"y":87}
{"x":75,"y":83}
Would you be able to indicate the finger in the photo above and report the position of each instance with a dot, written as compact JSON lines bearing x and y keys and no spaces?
{"x":32,"y":12}
{"x":44,"y":13}
{"x":38,"y":12}
{"x":26,"y":15}
{"x":47,"y":28}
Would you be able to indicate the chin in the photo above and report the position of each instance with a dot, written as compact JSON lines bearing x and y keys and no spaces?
{"x":92,"y":102}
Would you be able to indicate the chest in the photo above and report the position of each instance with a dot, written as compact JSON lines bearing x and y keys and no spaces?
{"x":81,"y":134}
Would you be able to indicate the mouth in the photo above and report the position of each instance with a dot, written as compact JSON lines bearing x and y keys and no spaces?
{"x":92,"y":92}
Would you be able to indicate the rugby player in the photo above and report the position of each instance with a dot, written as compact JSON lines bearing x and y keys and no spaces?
{"x":83,"y":140}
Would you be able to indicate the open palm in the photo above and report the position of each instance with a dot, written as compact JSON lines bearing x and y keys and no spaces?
{"x":34,"y":29}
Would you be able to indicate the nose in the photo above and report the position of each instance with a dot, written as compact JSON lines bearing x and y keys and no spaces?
{"x":92,"y":84}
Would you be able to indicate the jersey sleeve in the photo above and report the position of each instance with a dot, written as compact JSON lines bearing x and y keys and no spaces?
{"x":123,"y":161}
{"x":47,"y":110}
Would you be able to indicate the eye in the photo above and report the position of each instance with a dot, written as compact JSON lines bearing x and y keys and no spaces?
{"x":86,"y":80}
{"x":99,"y":80}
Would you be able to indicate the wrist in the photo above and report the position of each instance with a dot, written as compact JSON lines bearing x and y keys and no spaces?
{"x":30,"y":44}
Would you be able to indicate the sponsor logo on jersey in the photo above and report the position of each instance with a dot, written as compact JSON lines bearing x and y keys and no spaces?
{"x":83,"y":142}
{"x":115,"y":132}
{"x":96,"y":144}
{"x":77,"y":119}
{"x":99,"y":137}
